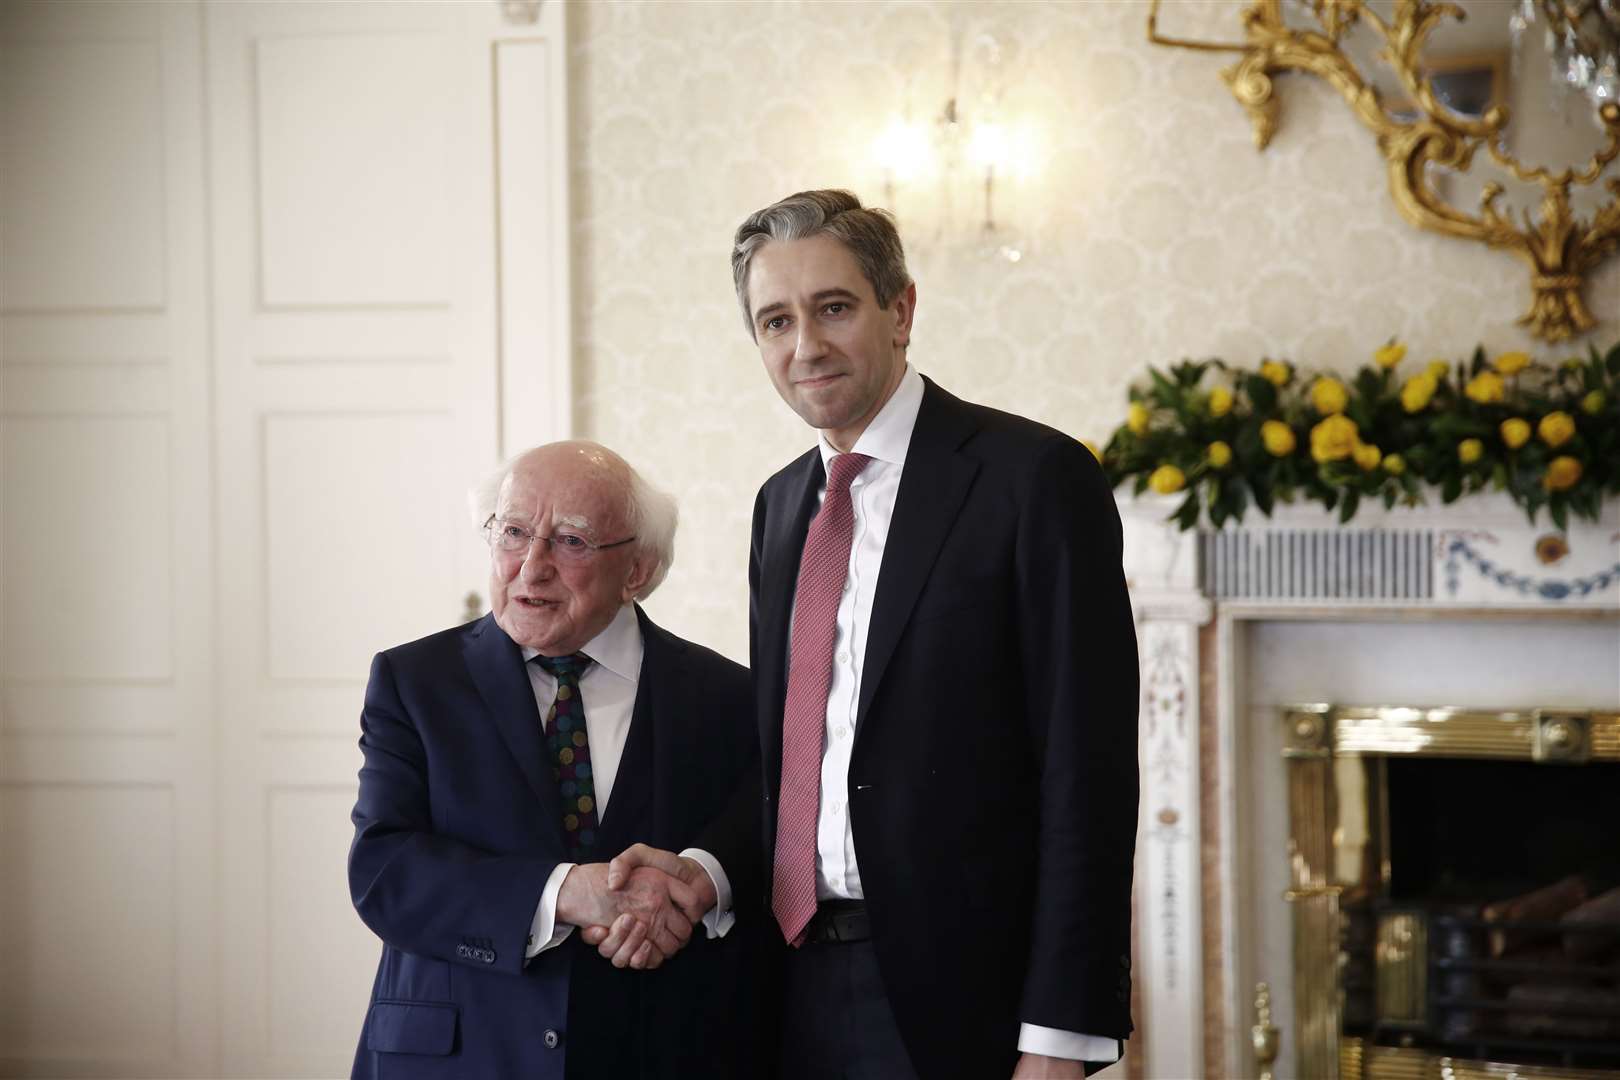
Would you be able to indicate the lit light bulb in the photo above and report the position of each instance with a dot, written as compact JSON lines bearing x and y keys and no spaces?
{"x":902,"y":151}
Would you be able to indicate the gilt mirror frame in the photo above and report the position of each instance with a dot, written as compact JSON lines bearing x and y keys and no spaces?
{"x":1560,"y":247}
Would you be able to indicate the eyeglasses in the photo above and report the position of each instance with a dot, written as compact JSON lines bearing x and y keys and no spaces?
{"x":505,"y":536}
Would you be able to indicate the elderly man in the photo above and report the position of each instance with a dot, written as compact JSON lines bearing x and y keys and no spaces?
{"x":944,"y":663}
{"x":505,"y":760}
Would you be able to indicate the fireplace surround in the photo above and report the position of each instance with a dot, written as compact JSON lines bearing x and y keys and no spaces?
{"x":1465,"y":610}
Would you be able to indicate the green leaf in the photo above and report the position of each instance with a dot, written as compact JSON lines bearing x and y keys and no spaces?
{"x":1612,"y":361}
{"x":1560,"y":511}
{"x":1261,"y":393}
{"x":1347,"y":508}
{"x":1186,"y":515}
{"x":1260,"y":486}
{"x":1451,"y":489}
{"x":1391,"y":493}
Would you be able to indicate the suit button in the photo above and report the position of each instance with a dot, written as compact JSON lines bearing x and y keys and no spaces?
{"x":552,"y":1039}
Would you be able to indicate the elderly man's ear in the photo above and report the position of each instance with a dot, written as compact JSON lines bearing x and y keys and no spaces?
{"x":640,"y":573}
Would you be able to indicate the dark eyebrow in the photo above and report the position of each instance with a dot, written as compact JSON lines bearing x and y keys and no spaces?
{"x":834,"y":294}
{"x":769,"y":309}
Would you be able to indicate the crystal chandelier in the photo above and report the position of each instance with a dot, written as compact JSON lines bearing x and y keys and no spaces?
{"x":1582,"y":39}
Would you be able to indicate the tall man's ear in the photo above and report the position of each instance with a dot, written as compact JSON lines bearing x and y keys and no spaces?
{"x":905,"y":309}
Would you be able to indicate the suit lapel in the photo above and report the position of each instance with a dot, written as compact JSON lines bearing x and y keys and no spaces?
{"x":935,"y":481}
{"x":787,"y":522}
{"x":496,"y":665}
{"x":665,"y":694}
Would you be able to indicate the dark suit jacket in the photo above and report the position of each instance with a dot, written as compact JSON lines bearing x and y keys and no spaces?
{"x":993,"y":782}
{"x":457,"y":829}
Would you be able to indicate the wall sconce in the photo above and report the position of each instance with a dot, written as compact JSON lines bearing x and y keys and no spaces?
{"x":966,"y":157}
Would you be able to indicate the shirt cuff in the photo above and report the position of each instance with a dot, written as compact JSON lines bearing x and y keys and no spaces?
{"x":1055,"y":1042}
{"x":544,"y":933}
{"x":717,"y":921}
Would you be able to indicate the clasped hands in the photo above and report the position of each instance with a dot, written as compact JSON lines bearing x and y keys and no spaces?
{"x":639,"y":909}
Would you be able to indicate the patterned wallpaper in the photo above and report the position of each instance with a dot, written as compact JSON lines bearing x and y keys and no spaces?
{"x":1154,"y":231}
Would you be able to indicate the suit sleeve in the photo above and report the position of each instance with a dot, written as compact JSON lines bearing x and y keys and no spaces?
{"x":417,"y":889}
{"x":734,"y":837}
{"x":1078,"y":654}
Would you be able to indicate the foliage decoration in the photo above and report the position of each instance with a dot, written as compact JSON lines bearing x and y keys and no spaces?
{"x":1231,"y":437}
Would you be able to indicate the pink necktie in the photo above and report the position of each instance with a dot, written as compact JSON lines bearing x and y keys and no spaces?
{"x":822,"y":570}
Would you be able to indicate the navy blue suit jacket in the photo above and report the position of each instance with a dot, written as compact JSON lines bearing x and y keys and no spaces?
{"x":457,"y":828}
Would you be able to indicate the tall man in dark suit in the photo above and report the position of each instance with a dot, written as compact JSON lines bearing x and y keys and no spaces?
{"x":944,"y":661}
{"x":505,"y":760}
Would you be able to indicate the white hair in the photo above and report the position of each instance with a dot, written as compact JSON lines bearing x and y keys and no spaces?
{"x":652,"y":515}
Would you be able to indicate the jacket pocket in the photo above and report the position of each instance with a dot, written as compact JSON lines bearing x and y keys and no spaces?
{"x":412,"y":1027}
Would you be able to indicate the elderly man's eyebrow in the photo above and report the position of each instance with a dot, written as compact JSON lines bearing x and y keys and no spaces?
{"x":573,"y":521}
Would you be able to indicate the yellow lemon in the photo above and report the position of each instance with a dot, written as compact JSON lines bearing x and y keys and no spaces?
{"x":1511,"y":363}
{"x":1136,"y":418}
{"x":1220,"y":455}
{"x":1334,"y":439}
{"x":1470,"y":451}
{"x":1593,"y":403}
{"x":1486,"y":388}
{"x":1328,"y":396}
{"x":1515,"y":432}
{"x":1220,"y":401}
{"x":1556,"y":428}
{"x":1563,"y":473}
{"x":1367,"y":456}
{"x":1436,"y":369}
{"x":1278,"y":438}
{"x":1167,"y":480}
{"x":1417,"y":392}
{"x":1276,"y":373}
{"x":1390,"y":355}
{"x":1394,"y":464}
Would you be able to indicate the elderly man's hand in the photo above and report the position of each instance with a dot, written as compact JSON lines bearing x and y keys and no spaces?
{"x":625,"y":943}
{"x":648,"y":907}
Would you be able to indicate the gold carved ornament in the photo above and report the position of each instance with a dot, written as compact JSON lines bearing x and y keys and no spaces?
{"x":1560,"y":248}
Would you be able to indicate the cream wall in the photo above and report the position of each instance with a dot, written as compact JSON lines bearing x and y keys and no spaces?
{"x":1162,"y":233}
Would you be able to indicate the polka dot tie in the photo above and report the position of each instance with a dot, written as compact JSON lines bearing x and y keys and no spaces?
{"x":823,"y":567}
{"x":570,"y":754}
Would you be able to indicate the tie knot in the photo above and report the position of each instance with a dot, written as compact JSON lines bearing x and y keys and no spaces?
{"x":561,"y":667}
{"x":843,"y":469}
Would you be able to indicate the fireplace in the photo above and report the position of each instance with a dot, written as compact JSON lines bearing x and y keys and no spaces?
{"x":1466,"y":604}
{"x":1455,"y":891}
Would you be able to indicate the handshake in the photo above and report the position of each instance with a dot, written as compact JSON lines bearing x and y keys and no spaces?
{"x":639,"y":909}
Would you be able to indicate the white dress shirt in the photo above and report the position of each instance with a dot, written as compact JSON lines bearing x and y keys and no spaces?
{"x":873,"y":493}
{"x":607,"y":692}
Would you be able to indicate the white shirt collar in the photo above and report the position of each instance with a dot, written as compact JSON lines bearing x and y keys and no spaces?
{"x":889,"y":434}
{"x":617,"y":648}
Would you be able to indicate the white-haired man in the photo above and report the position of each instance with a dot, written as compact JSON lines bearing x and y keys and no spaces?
{"x":506,"y":760}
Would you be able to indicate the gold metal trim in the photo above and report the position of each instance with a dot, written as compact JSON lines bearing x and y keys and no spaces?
{"x":1402,"y":975}
{"x":1545,"y":735}
{"x":1338,"y":854}
{"x":1560,"y":248}
{"x":1403,"y":1063}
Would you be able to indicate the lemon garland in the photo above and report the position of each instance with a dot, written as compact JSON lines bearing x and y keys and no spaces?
{"x":1547,"y":434}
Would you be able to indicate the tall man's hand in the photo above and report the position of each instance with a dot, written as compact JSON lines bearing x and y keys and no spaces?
{"x":626,"y":942}
{"x":648,"y":905}
{"x":1041,"y":1067}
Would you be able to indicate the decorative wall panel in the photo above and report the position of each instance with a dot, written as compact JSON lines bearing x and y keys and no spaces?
{"x":352,"y":133}
{"x":87,"y":921}
{"x":86,"y":573}
{"x":81,"y":176}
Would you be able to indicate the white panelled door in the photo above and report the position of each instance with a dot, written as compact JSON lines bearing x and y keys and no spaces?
{"x":253,"y":323}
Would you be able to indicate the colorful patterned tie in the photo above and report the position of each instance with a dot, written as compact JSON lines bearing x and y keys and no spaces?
{"x":571,"y":755}
{"x":822,"y":570}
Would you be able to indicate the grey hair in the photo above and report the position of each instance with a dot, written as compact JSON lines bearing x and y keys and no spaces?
{"x":868,"y":233}
{"x":653,"y":516}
